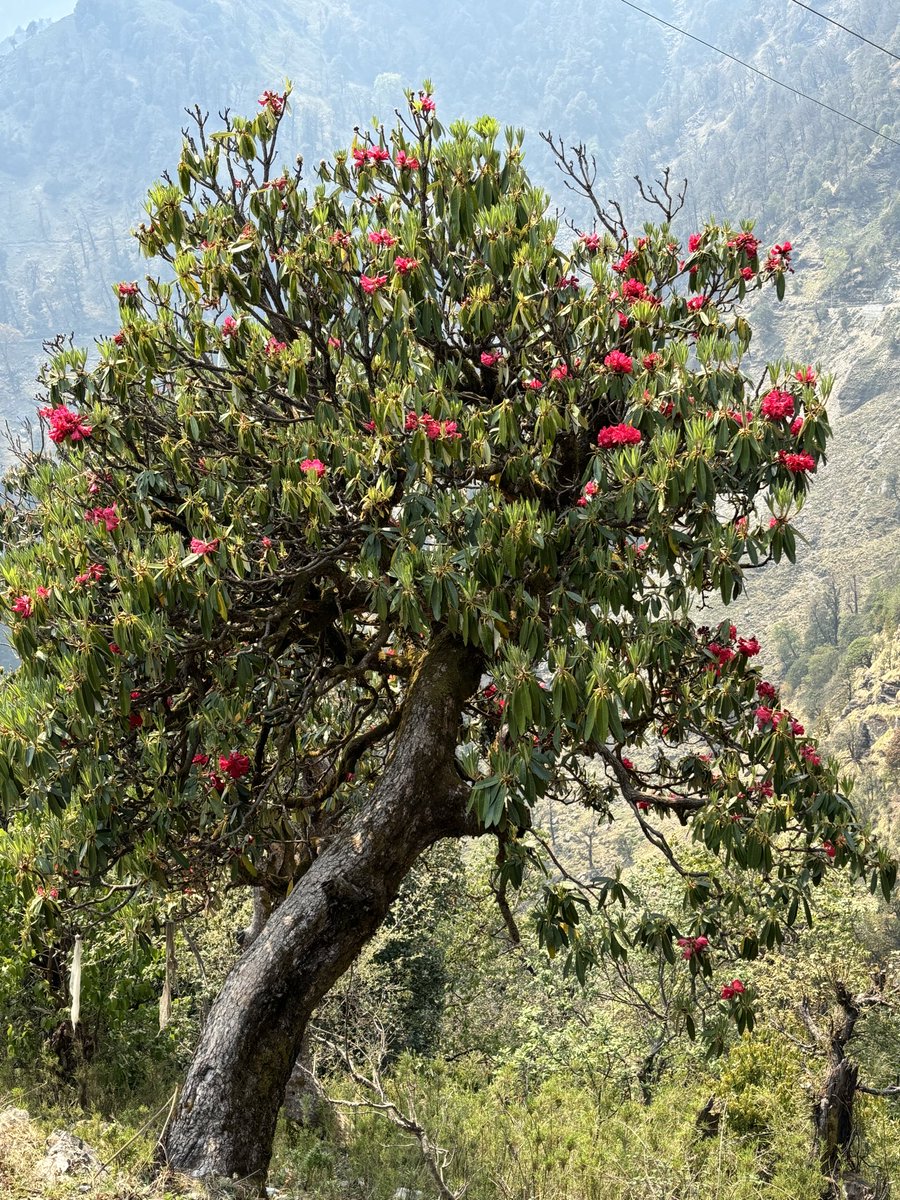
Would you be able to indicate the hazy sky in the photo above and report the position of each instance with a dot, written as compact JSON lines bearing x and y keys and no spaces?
{"x":19,"y":12}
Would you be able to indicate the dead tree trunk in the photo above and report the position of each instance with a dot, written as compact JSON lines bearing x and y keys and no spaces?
{"x":225,"y":1121}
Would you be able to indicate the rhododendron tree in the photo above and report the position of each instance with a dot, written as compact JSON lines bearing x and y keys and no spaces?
{"x":376,"y":522}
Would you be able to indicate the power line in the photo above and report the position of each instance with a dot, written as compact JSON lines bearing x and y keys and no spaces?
{"x":771,"y":78}
{"x":846,"y":29}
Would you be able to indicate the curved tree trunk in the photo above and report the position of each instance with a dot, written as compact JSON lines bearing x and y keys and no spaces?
{"x":225,"y":1121}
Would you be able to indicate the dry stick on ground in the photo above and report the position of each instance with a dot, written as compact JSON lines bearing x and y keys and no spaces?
{"x":436,"y":1159}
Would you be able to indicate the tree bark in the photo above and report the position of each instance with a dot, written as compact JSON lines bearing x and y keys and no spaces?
{"x":225,"y":1121}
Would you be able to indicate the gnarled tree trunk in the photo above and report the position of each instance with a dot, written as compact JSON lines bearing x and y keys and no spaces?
{"x":225,"y":1120}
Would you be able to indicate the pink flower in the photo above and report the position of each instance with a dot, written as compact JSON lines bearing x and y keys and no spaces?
{"x":382,"y":238}
{"x":591,"y":242}
{"x":779,"y":259}
{"x":200,"y":760}
{"x":644,"y":806}
{"x":114,"y":648}
{"x":371,"y":283}
{"x":533,"y":385}
{"x":618,"y":363}
{"x":273,"y":347}
{"x":650,"y":362}
{"x":777,"y":405}
{"x":560,"y":372}
{"x":314,"y":464}
{"x":490,"y":359}
{"x":273,"y":102}
{"x":748,"y":647}
{"x":334,"y":343}
{"x":42,"y":593}
{"x":735,"y":988}
{"x":829,"y":849}
{"x":95,"y":572}
{"x":135,"y":720}
{"x":200,"y":547}
{"x":23,"y":606}
{"x":694,"y":242}
{"x":796,"y":426}
{"x":806,"y":375}
{"x":127,"y":289}
{"x":747,"y":273}
{"x":229,"y":327}
{"x":64,"y":423}
{"x":103,"y":516}
{"x":591,"y":488}
{"x":627,"y":763}
{"x":379,"y":154}
{"x":764,"y":716}
{"x":624,"y":262}
{"x":581,"y":502}
{"x":766,"y":691}
{"x":633,"y":289}
{"x":746,"y":242}
{"x":618,"y":435}
{"x":236,"y":765}
{"x":797,"y":463}
{"x":119,"y":338}
{"x":568,"y":281}
{"x":809,"y":754}
{"x":405,"y":162}
{"x":404,"y":265}
{"x":426,"y":102}
{"x":696,"y":303}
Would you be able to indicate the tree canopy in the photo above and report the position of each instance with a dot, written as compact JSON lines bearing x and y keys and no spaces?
{"x":398,"y":407}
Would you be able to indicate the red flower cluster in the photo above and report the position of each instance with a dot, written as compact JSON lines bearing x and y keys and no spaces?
{"x":198,"y":546}
{"x":367,"y":154}
{"x":746,"y":242}
{"x":621,"y":267}
{"x":779,"y":258}
{"x":590,"y":490}
{"x":692,"y":946}
{"x":748,"y":647}
{"x":796,"y":426}
{"x":777,"y":405}
{"x":489,"y":359}
{"x":407,"y":162}
{"x":696,"y":303}
{"x":426,"y":102}
{"x":235,"y":765}
{"x":23,"y":606}
{"x":382,"y":237}
{"x":103,"y":516}
{"x":808,"y":753}
{"x":532,"y":385}
{"x":694,"y":242}
{"x":273,"y":347}
{"x":766,"y":691}
{"x":618,"y":435}
{"x":433,"y":429}
{"x":229,"y":327}
{"x":591,"y":242}
{"x":730,"y":990}
{"x":371,"y":283}
{"x":560,"y":372}
{"x":797,"y":463}
{"x":829,"y":849}
{"x":651,"y":361}
{"x":273,"y":102}
{"x":618,"y":363}
{"x":126,"y":289}
{"x":314,"y":464}
{"x":95,"y":572}
{"x":806,"y":375}
{"x":722,"y":654}
{"x":64,"y":423}
{"x":200,"y":760}
{"x":404,"y":265}
{"x":568,"y":281}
